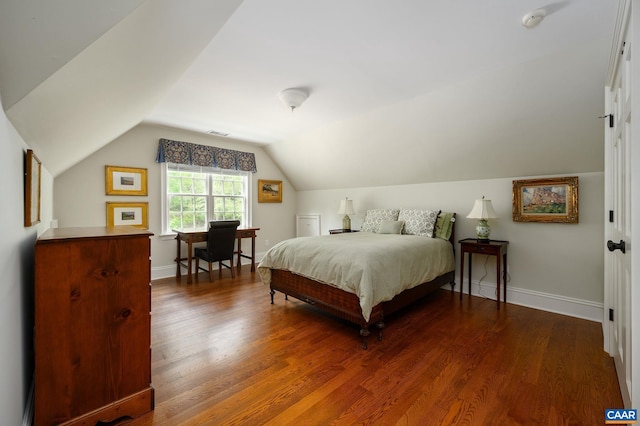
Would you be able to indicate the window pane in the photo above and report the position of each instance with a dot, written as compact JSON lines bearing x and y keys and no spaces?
{"x":175,"y":203}
{"x":201,"y":204}
{"x":175,"y":221}
{"x":201,"y":220}
{"x":217,"y":187}
{"x":192,"y":196}
{"x":188,"y":220}
{"x":199,"y":186}
{"x":187,"y":186}
{"x":187,"y":204}
{"x":173,"y":184}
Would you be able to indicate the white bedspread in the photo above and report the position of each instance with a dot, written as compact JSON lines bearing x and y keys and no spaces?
{"x":375,"y":267}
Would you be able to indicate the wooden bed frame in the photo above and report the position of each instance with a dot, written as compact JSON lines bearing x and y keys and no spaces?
{"x":347,"y":305}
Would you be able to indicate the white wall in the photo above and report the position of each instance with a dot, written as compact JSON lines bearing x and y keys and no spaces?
{"x":557,"y":267}
{"x":80,"y":191}
{"x":16,"y":268}
{"x":551,"y":265}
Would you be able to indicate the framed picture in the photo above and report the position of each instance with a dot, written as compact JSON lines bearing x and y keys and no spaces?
{"x":125,"y":180}
{"x":128,"y":214}
{"x":269,"y":191}
{"x":32,"y":189}
{"x":546,"y":200}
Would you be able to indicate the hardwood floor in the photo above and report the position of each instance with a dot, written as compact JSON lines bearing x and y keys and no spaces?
{"x":223,"y":355}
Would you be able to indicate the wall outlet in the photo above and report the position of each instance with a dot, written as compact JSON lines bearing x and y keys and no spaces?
{"x":266,"y":243}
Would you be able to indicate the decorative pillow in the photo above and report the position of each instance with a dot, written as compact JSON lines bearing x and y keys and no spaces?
{"x":444,"y":225}
{"x":419,"y":222}
{"x":391,"y":227}
{"x":374,"y":218}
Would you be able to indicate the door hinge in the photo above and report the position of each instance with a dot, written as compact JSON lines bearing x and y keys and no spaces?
{"x":610,"y":119}
{"x":624,"y":43}
{"x":610,"y":314}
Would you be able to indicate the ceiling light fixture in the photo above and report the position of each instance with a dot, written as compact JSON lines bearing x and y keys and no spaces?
{"x":293,"y":98}
{"x":532,"y":19}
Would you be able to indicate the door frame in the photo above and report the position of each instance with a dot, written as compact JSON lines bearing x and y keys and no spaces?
{"x":625,"y":12}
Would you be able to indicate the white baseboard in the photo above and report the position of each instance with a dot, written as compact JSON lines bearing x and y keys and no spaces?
{"x":585,"y":309}
{"x":27,"y":417}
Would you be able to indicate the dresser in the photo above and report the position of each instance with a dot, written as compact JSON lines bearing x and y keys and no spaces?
{"x":92,"y":325}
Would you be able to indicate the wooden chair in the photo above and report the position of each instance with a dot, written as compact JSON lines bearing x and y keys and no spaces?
{"x":221,"y":240}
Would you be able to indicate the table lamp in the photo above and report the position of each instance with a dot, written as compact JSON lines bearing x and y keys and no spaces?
{"x":483,"y":210}
{"x":346,"y":208}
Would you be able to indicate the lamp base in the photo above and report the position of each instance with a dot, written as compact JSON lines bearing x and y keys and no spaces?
{"x":482,"y":231}
{"x":346,"y":223}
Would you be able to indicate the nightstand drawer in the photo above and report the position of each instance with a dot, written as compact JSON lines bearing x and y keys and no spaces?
{"x":484,"y":249}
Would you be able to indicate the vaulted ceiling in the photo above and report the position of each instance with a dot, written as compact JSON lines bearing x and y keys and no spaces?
{"x":399,"y":92}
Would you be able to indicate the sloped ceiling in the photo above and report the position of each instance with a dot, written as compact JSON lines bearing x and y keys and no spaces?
{"x":400,"y":92}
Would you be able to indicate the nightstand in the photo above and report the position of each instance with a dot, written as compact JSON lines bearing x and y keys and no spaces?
{"x":341,"y":231}
{"x":495,"y":248}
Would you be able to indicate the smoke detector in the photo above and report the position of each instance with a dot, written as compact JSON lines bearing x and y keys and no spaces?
{"x":532,"y":19}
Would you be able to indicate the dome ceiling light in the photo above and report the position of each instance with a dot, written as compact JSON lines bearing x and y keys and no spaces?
{"x":293,"y":98}
{"x":532,"y":19}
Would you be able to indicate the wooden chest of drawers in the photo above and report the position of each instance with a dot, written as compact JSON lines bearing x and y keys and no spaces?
{"x":92,"y":325}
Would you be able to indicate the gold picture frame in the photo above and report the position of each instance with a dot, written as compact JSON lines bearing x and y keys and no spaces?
{"x":125,"y":180}
{"x":128,"y":214}
{"x":269,"y":191}
{"x":551,"y":200}
{"x":32,"y":183}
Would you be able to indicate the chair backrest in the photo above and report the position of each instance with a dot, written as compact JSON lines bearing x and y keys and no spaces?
{"x":221,"y":239}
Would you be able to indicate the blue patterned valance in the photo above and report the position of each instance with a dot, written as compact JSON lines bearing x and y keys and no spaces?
{"x":206,"y":156}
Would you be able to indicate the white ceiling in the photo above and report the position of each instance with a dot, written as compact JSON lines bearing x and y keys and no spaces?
{"x":75,"y":76}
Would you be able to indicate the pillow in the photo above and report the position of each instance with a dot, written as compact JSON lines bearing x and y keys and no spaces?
{"x":444,"y":225}
{"x":373,"y":218}
{"x":419,"y":222}
{"x":391,"y":227}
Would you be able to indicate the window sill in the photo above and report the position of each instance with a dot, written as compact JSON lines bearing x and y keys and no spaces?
{"x":168,"y":236}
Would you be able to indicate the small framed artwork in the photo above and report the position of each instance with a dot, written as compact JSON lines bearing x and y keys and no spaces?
{"x":32,"y":189}
{"x":269,"y":191}
{"x":125,"y":180}
{"x":128,"y":214}
{"x":552,"y":200}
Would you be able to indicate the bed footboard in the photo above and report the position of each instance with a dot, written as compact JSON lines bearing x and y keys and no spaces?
{"x":347,"y":305}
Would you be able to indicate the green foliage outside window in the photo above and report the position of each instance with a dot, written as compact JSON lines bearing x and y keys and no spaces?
{"x":189,"y":200}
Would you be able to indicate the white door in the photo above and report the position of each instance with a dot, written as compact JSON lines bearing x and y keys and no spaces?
{"x":619,"y":291}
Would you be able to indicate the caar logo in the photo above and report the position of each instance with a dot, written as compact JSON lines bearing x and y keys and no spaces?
{"x":620,"y":417}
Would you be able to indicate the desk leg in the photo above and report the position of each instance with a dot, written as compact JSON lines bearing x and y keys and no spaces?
{"x":178,"y":259}
{"x":253,"y":252}
{"x":498,"y":273}
{"x":504,"y":277}
{"x":461,"y":274}
{"x":239,"y":252}
{"x":189,"y":257}
{"x":470,"y":274}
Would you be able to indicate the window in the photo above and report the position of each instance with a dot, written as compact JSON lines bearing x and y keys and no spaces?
{"x":193,"y":196}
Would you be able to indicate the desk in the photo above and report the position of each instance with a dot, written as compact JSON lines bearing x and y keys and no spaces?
{"x":495,"y":248}
{"x":191,"y":236}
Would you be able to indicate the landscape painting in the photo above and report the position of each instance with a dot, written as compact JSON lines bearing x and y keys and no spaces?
{"x":269,"y":191}
{"x":546,"y":200}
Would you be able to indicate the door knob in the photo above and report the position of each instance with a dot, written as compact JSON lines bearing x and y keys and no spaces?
{"x":616,"y":246}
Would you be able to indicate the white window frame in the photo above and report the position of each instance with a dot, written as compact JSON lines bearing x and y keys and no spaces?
{"x":165,"y":199}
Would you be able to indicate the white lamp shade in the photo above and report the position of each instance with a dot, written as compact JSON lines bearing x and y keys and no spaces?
{"x":482,"y":209}
{"x":346,"y":207}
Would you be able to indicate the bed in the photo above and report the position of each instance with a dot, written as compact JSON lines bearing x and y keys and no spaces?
{"x":363,"y":277}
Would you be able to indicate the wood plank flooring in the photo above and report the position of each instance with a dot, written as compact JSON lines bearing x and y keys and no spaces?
{"x":223,"y":355}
